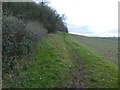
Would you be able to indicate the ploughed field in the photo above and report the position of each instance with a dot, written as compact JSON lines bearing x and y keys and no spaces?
{"x":107,"y":47}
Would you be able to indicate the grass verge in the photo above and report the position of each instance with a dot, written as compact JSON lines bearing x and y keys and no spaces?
{"x":101,"y":72}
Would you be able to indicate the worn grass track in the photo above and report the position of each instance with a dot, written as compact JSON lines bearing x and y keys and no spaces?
{"x":74,"y":81}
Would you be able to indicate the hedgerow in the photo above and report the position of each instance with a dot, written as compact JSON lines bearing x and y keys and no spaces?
{"x":41,"y":12}
{"x":16,"y":41}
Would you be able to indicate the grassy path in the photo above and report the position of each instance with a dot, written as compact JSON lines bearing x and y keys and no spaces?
{"x":75,"y":82}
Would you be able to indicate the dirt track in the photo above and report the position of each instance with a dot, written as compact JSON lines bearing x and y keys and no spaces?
{"x":75,"y":81}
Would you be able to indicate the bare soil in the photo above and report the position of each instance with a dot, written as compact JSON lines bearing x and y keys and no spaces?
{"x":75,"y":81}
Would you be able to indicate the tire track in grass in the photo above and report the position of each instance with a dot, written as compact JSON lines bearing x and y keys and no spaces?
{"x":75,"y":82}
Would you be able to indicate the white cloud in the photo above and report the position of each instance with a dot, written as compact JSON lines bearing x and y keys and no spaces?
{"x":100,"y":15}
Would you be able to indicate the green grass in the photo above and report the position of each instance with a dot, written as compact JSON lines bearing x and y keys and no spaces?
{"x":102,"y":73}
{"x":52,"y":66}
{"x":54,"y":63}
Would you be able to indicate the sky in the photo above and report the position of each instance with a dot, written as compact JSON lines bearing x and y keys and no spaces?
{"x":97,"y":18}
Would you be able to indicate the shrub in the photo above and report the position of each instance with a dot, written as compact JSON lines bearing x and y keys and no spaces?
{"x":16,"y":40}
{"x":41,"y":12}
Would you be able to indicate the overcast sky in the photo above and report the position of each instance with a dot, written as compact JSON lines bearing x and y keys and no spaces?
{"x":89,"y":17}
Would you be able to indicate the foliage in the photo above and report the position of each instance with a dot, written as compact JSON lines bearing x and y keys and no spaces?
{"x":41,"y":12}
{"x":51,"y":66}
{"x":16,"y":41}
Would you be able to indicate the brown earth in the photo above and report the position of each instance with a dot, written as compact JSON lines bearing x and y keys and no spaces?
{"x":78,"y":73}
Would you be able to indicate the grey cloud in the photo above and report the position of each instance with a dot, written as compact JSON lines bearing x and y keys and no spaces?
{"x":76,"y":29}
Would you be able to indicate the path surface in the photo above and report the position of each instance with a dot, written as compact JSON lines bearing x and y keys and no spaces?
{"x":75,"y":82}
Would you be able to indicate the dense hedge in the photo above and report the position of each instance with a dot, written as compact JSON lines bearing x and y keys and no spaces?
{"x":16,"y":40}
{"x":41,"y":12}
